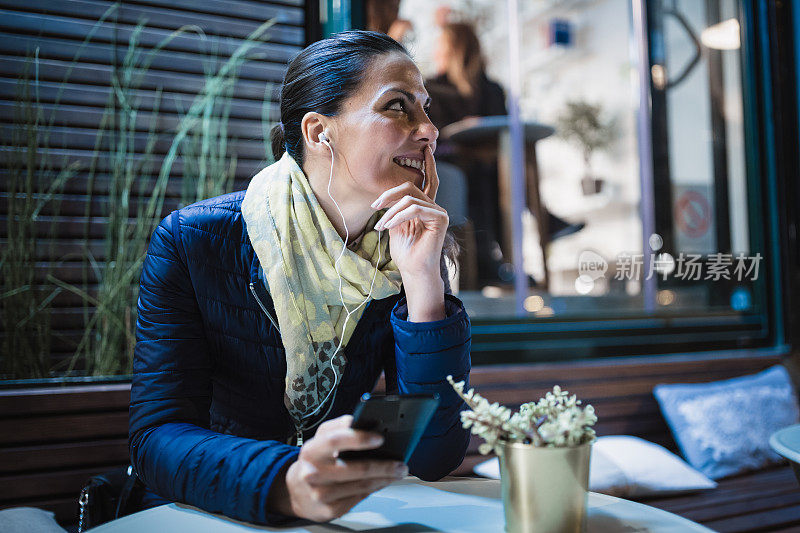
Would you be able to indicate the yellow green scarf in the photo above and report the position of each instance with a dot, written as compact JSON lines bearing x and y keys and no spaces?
{"x":297,"y":246}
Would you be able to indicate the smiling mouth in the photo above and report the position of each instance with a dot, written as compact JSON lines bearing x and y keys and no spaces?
{"x":408,"y":164}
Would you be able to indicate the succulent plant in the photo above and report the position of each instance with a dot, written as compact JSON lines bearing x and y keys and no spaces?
{"x":557,"y":420}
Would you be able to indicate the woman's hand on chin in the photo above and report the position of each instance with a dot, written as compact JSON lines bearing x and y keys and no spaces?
{"x":416,"y":224}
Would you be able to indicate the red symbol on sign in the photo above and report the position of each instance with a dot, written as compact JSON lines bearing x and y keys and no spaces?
{"x":693,"y":214}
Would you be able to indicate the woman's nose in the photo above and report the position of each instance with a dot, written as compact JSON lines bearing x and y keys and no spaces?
{"x":426,"y":131}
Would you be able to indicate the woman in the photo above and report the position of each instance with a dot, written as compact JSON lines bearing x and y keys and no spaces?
{"x":459,"y":90}
{"x":247,"y":364}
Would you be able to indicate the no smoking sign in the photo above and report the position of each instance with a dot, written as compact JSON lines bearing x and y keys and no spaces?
{"x":693,"y":214}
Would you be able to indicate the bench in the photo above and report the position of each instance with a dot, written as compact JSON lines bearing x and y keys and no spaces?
{"x":621,"y":392}
{"x":53,"y":439}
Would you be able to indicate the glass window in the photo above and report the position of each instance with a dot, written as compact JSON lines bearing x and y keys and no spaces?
{"x":641,"y":227}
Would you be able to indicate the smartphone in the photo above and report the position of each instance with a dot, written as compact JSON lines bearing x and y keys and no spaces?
{"x":401,"y":419}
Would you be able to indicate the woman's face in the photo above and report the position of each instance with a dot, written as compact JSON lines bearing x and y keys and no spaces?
{"x":383,"y":121}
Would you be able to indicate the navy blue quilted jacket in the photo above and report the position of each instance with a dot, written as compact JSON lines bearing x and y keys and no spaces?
{"x":208,"y":426}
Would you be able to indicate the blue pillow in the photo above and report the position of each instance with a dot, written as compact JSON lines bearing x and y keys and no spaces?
{"x":723,"y":427}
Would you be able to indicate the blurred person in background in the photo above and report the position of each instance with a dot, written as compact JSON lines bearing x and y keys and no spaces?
{"x":459,"y":90}
{"x":383,"y":16}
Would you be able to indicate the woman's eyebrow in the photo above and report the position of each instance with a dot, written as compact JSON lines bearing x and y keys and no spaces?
{"x":408,"y":95}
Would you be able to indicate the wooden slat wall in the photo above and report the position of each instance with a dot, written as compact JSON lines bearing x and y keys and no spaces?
{"x":58,"y":29}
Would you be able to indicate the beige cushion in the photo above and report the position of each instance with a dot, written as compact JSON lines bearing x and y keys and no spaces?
{"x":630,"y":467}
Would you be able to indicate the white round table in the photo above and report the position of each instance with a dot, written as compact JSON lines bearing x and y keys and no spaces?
{"x":452,"y":505}
{"x":786,"y":442}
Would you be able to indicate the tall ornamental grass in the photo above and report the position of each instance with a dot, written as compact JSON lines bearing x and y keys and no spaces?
{"x":138,"y":179}
{"x":35,"y":178}
{"x":33,"y":182}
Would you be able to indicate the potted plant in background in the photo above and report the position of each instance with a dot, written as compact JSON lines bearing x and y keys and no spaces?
{"x":544,"y":451}
{"x":583,"y":124}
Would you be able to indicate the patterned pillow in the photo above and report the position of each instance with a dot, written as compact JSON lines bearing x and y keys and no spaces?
{"x":723,"y":427}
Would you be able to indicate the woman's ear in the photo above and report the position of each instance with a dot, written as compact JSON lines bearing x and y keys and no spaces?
{"x":312,"y":126}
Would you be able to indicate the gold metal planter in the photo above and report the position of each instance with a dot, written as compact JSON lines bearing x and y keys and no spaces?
{"x":544,"y":489}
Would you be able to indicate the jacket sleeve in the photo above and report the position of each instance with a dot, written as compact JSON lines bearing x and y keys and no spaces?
{"x":425,"y":353}
{"x":172,"y":448}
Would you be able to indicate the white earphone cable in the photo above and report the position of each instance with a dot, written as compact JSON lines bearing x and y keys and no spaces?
{"x":341,"y":294}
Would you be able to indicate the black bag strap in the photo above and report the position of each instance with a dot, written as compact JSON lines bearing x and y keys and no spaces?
{"x":131,"y":483}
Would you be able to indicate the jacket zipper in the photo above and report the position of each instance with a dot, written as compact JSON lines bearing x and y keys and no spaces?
{"x":261,"y":305}
{"x":299,"y":432}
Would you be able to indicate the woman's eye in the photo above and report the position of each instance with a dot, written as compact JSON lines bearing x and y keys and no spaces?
{"x":399,"y":105}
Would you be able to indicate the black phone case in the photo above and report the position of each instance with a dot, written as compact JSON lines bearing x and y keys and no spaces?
{"x":401,"y":419}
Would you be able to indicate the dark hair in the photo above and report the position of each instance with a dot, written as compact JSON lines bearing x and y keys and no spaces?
{"x":465,"y":45}
{"x":322,"y":76}
{"x":381,"y":14}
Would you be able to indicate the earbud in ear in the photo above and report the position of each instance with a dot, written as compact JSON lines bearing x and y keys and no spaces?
{"x":323,"y":137}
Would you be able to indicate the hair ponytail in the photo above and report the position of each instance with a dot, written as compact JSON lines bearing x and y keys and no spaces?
{"x":277,"y":141}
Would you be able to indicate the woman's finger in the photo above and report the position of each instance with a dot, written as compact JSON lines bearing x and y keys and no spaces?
{"x":390,"y":196}
{"x":424,"y":213}
{"x":343,"y":506}
{"x":431,"y":175}
{"x":348,"y":489}
{"x":344,"y":421}
{"x":399,"y":205}
{"x":355,"y":469}
{"x":327,"y":446}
